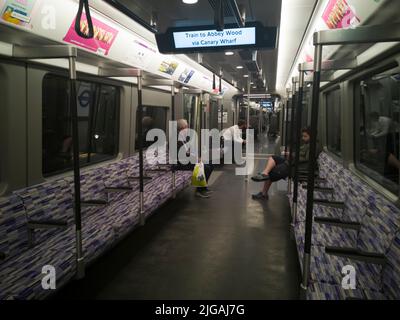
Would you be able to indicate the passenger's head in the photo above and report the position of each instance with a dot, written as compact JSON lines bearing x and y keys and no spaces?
{"x":182,"y":124}
{"x":242,"y":124}
{"x":306,"y":135}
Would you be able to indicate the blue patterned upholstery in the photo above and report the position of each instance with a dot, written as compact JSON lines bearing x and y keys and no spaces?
{"x":48,"y":201}
{"x":379,"y":219}
{"x":372,"y":281}
{"x":21,"y":278}
{"x":323,"y":291}
{"x":13,"y":226}
{"x":20,"y":272}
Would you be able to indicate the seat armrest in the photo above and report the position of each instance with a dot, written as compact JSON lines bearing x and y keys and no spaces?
{"x":321,"y":189}
{"x":159,"y":170}
{"x":338,"y":223}
{"x":329,"y":203}
{"x":358,"y":255}
{"x":119,"y":189}
{"x":48,"y":224}
{"x":2,"y":256}
{"x":94,"y":203}
{"x":316,"y":179}
{"x":137,"y":178}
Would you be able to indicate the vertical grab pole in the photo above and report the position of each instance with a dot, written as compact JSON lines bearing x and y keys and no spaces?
{"x":248,"y":123}
{"x":311,"y":165}
{"x":173,"y":119}
{"x":140,"y":140}
{"x":222,"y":116}
{"x":298,"y":141}
{"x":292,"y":129}
{"x":285,"y":121}
{"x":80,"y":263}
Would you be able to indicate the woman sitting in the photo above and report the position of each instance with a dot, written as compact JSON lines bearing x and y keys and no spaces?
{"x":277,"y":167}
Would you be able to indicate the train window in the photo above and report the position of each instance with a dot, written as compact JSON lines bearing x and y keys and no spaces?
{"x":98,"y":123}
{"x":154,"y":117}
{"x":189,"y":112}
{"x":213,"y":119}
{"x":377,"y":128}
{"x":333,"y":122}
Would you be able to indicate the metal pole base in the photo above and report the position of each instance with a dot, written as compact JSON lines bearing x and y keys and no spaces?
{"x":294,"y":214}
{"x":80,"y":263}
{"x":302,"y":293}
{"x":141,"y":209}
{"x":173,"y":185}
{"x":306,"y":271}
{"x":80,"y":268}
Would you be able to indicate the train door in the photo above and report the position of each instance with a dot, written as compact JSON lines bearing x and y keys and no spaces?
{"x":190,"y":109}
{"x":213,"y":114}
{"x":13,"y":135}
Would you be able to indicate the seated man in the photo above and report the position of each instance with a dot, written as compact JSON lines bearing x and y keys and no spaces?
{"x":233,"y":139}
{"x":202,"y":192}
{"x":277,"y":167}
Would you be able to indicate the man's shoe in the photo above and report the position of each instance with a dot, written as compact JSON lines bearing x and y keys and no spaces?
{"x":202,"y":194}
{"x":260,"y":177}
{"x":259,"y":196}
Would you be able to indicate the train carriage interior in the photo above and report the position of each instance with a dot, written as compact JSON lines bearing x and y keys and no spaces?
{"x":199,"y":150}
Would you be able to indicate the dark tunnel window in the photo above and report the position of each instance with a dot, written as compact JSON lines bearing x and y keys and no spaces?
{"x":154,"y":117}
{"x":377,"y":128}
{"x":98,"y":123}
{"x":333,"y":122}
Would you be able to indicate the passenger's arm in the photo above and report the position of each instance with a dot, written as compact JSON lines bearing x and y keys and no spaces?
{"x":237,"y":136}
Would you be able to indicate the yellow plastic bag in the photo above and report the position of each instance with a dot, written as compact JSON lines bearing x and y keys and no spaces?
{"x":199,"y":176}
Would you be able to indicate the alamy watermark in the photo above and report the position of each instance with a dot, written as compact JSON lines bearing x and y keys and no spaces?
{"x":349,"y":279}
{"x":49,"y":278}
{"x":186,"y":147}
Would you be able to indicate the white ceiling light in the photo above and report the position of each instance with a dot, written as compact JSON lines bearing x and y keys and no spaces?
{"x":246,"y":76}
{"x":239,"y":67}
{"x":229,"y":53}
{"x":190,"y":1}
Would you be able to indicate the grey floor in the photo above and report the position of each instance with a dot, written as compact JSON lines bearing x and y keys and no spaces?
{"x":226,"y":247}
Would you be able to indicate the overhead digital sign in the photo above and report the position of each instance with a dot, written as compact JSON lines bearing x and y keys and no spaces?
{"x":207,"y":39}
{"x":213,"y":38}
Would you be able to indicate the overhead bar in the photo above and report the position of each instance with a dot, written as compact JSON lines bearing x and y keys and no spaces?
{"x":324,"y":77}
{"x":44,"y":52}
{"x":120,"y":72}
{"x":366,"y":34}
{"x":193,"y":91}
{"x":158,"y":82}
{"x":341,"y":64}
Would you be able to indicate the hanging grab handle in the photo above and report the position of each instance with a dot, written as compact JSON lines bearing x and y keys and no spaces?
{"x":78,"y":19}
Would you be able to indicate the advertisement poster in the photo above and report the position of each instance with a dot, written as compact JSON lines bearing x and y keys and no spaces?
{"x":104,"y":36}
{"x":18,"y":12}
{"x":168,"y":67}
{"x":338,"y":15}
{"x":186,"y":76}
